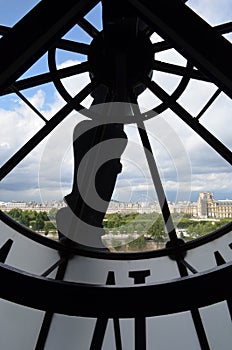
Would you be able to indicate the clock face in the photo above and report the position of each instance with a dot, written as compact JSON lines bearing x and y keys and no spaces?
{"x":59,"y":315}
{"x":110,"y":67}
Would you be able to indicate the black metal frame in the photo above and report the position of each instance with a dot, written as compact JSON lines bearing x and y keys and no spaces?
{"x":190,"y":292}
{"x":211,"y":54}
{"x":96,"y":253}
{"x":21,"y":50}
{"x":39,"y":41}
{"x":182,"y":30}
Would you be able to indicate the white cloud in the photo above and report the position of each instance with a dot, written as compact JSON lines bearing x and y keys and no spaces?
{"x":182,"y":157}
{"x":75,"y":84}
{"x":18,"y":125}
{"x":213,"y":11}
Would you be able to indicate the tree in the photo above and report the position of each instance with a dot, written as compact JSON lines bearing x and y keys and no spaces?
{"x":138,"y":243}
{"x":16,"y":214}
{"x":25,"y":218}
{"x":32,"y":225}
{"x":48,"y":227}
{"x":52,"y":214}
{"x":39,"y":223}
{"x":139,"y":228}
{"x":157,"y":230}
{"x":129,"y":228}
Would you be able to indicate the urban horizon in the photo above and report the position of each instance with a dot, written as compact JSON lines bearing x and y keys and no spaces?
{"x":206,"y":206}
{"x":193,"y":198}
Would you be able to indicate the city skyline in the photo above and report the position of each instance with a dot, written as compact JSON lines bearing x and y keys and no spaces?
{"x":206,"y":207}
{"x":218,"y":195}
{"x":215,"y":197}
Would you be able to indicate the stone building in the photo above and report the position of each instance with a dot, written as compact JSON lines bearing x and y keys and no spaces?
{"x":208,"y":207}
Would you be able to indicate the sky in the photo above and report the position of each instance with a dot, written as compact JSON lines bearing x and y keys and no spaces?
{"x":186,"y":164}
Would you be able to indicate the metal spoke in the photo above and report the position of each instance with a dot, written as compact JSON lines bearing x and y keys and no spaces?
{"x":26,"y":42}
{"x":190,"y":35}
{"x":178,"y":70}
{"x":47,"y":77}
{"x":163,"y":45}
{"x":53,"y":267}
{"x":28,"y":103}
{"x":42,"y":133}
{"x":154,"y":172}
{"x":224,"y":28}
{"x":88,"y":27}
{"x":188,"y":266}
{"x":208,"y":104}
{"x":73,"y":46}
{"x":217,"y":145}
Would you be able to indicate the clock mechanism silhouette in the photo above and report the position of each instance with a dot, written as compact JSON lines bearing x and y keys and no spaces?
{"x":75,"y":292}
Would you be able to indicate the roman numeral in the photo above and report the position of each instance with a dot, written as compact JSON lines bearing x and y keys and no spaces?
{"x":5,"y":249}
{"x":101,"y":325}
{"x":140,"y":322}
{"x":47,"y":321}
{"x":183,"y":267}
{"x":220,"y":261}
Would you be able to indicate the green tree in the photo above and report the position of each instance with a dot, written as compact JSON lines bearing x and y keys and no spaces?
{"x":52,"y":213}
{"x":16,"y":214}
{"x":139,"y":228}
{"x":138,"y":243}
{"x":39,"y":223}
{"x":157,"y":230}
{"x":130,"y":228}
{"x":25,"y":218}
{"x":49,"y":227}
{"x":32,"y":225}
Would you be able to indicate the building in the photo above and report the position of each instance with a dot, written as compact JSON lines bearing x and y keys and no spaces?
{"x":208,"y":207}
{"x":132,"y":207}
{"x":185,"y":207}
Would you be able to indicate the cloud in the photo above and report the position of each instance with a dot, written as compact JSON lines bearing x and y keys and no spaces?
{"x":75,"y":84}
{"x":185,"y":162}
{"x":213,"y":11}
{"x":17,"y":126}
{"x":19,"y":123}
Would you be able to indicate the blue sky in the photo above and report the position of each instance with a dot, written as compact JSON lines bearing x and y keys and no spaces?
{"x":186,"y":164}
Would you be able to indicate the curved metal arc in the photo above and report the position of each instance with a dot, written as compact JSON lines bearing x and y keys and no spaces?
{"x":44,"y":131}
{"x":189,"y":34}
{"x":28,"y":40}
{"x":217,"y":145}
{"x":195,"y":291}
{"x":173,"y":97}
{"x":27,"y":232}
{"x":45,"y":78}
{"x":95,"y":253}
{"x":56,"y":78}
{"x":53,"y":70}
{"x":178,"y":70}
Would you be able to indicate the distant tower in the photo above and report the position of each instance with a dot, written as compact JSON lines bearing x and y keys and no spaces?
{"x":202,"y":204}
